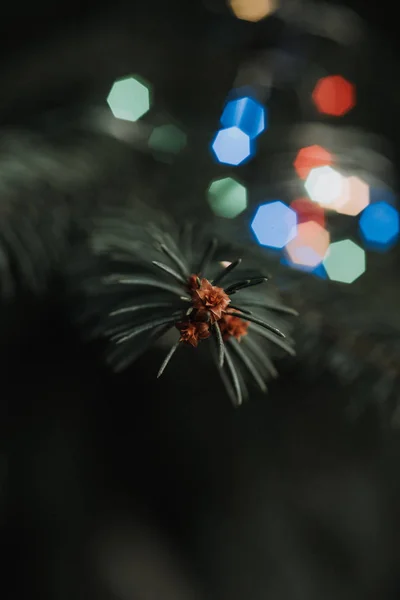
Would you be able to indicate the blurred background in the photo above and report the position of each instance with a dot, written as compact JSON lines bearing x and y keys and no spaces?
{"x":274,"y":122}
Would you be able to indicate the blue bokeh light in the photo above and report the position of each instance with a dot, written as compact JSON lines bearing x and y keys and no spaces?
{"x":232,"y":146}
{"x":380,"y":225}
{"x":274,"y":224}
{"x":318,"y":271}
{"x":247,"y":114}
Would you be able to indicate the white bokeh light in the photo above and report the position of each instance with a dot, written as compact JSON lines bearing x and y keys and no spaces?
{"x":325,"y":186}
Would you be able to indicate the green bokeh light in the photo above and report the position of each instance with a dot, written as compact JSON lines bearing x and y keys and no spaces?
{"x":345,"y":261}
{"x":227,"y":197}
{"x":167,"y":138}
{"x":129,"y":99}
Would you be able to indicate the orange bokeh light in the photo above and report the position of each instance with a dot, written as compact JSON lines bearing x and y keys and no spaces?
{"x":334,"y":95}
{"x":309,"y":247}
{"x":308,"y":211}
{"x":253,"y":10}
{"x":309,"y":158}
{"x":357,"y":197}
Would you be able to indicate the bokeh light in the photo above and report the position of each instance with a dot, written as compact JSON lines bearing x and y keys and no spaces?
{"x":274,"y":224}
{"x":357,"y":197}
{"x":326,"y":186}
{"x":309,"y":158}
{"x":379,"y":225}
{"x":308,"y":211}
{"x":253,"y":10}
{"x":317,"y":271}
{"x":333,"y":191}
{"x":334,"y":95}
{"x":309,"y":246}
{"x":167,"y":138}
{"x":232,"y":146}
{"x":245,"y":113}
{"x":344,"y":261}
{"x":320,"y":272}
{"x":227,"y":197}
{"x":129,"y":99}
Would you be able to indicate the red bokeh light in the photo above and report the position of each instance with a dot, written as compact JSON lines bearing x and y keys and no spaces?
{"x":308,"y":211}
{"x":309,"y":158}
{"x":334,"y":95}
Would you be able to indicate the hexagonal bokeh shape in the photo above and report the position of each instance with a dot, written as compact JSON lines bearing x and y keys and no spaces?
{"x":227,"y":197}
{"x":311,"y":157}
{"x":357,"y":197}
{"x":345,"y":261}
{"x":309,"y":246}
{"x":232,"y":146}
{"x":334,"y":95}
{"x":274,"y":224}
{"x":245,"y":113}
{"x":129,"y":99}
{"x":324,"y":185}
{"x":167,"y":138}
{"x":379,"y":225}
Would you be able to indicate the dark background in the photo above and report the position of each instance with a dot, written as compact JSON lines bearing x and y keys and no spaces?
{"x":294,"y":495}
